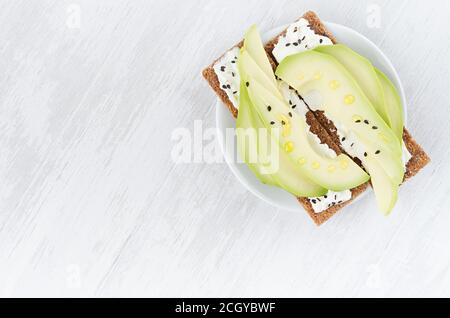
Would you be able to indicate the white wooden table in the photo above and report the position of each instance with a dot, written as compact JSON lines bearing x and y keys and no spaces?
{"x":91,"y":203}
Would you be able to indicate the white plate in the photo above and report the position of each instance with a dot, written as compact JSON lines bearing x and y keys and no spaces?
{"x":275,"y":196}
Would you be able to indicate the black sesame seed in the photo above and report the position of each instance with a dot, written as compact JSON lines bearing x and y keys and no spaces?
{"x":313,"y":201}
{"x":290,"y":102}
{"x":235,"y":92}
{"x":377,"y":152}
{"x":290,"y":114}
{"x":343,"y":139}
{"x":320,"y":41}
{"x":366,"y":121}
{"x":296,"y":29}
{"x":295,"y":44}
{"x":232,"y":74}
{"x":247,"y":84}
{"x":233,"y":62}
{"x":352,"y":144}
{"x":365,"y":154}
{"x":228,"y":86}
{"x":283,"y":122}
{"x":318,"y":199}
{"x":269,"y":108}
{"x":287,"y":44}
{"x":299,"y":41}
{"x":224,"y":86}
{"x":272,"y":123}
{"x":306,"y":46}
{"x":335,"y":196}
{"x":339,"y":202}
{"x":293,"y":106}
{"x":304,"y":38}
{"x":222,"y":68}
{"x":374,"y":127}
{"x":358,"y":121}
{"x":325,"y":196}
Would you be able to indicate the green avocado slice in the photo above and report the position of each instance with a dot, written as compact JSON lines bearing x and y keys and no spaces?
{"x":336,"y":93}
{"x":289,"y":129}
{"x":381,"y":93}
{"x":390,"y":162}
{"x":253,"y":45}
{"x":326,"y":85}
{"x":376,"y":85}
{"x":393,"y":104}
{"x":386,"y":190}
{"x":287,"y":176}
{"x":363,"y":72}
{"x":245,"y":137}
{"x":248,"y":68}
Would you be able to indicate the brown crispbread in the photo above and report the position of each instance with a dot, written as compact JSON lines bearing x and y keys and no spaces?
{"x":419,"y":159}
{"x":315,"y":127}
{"x":323,"y":128}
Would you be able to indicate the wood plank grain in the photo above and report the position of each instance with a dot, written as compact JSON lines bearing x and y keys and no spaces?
{"x":92,"y":204}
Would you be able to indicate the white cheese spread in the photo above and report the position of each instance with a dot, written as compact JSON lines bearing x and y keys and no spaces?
{"x":329,"y":200}
{"x":227,"y":72}
{"x":299,"y":37}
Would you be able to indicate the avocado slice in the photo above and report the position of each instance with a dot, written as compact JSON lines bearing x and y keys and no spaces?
{"x":337,"y":93}
{"x":363,"y":72}
{"x":287,"y":176}
{"x":376,"y":85}
{"x":248,"y":154}
{"x":368,"y":80}
{"x":390,"y":162}
{"x":393,"y":104}
{"x":336,"y":174}
{"x":386,"y":190}
{"x":253,"y":45}
{"x":248,"y":68}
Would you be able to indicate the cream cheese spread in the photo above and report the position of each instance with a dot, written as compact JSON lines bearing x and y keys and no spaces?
{"x":299,"y":37}
{"x":329,"y":200}
{"x":227,"y":72}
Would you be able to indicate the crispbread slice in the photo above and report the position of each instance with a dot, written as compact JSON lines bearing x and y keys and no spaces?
{"x":315,"y":127}
{"x":419,"y":159}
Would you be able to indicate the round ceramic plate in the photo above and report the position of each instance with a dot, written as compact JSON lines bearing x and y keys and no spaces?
{"x":224,"y":120}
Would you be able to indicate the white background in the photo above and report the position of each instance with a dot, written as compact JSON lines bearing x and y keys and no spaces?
{"x":91,"y":203}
